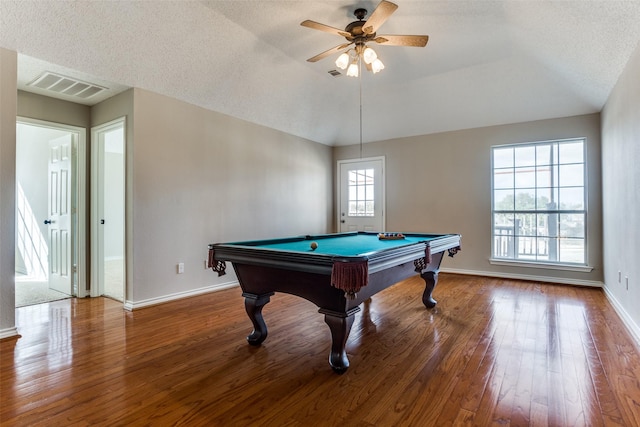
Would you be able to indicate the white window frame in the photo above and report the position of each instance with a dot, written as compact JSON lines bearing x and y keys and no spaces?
{"x":515,"y":260}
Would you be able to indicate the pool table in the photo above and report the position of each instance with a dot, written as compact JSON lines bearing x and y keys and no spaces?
{"x":342,"y":271}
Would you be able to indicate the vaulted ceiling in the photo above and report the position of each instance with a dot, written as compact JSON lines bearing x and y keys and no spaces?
{"x":486,"y":63}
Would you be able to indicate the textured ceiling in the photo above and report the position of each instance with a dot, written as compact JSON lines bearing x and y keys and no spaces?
{"x":487,"y":62}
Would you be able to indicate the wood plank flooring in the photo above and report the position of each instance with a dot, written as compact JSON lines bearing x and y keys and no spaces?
{"x":493,"y":352}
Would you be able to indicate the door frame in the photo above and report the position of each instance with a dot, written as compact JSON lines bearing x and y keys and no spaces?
{"x":339,"y":187}
{"x":79,"y":219}
{"x":97,"y":283}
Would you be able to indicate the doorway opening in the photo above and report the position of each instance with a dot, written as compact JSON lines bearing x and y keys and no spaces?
{"x":49,"y":212}
{"x":108,"y":210}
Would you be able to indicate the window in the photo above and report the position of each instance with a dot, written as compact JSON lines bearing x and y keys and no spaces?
{"x":361,"y":197}
{"x":539,"y":202}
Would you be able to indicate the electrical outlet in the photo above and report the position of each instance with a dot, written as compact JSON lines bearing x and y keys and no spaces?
{"x":206,"y":264}
{"x":180,"y":267}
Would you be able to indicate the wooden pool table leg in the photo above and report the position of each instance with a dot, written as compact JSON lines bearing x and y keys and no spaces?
{"x":253,"y":305}
{"x":340,"y":326}
{"x":430,"y":279}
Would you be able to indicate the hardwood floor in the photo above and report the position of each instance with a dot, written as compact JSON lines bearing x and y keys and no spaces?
{"x":493,"y":352}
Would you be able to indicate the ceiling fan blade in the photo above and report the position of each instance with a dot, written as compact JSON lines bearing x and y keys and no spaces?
{"x":328,"y":52}
{"x":379,"y":15}
{"x":325,"y":28}
{"x":396,"y":40}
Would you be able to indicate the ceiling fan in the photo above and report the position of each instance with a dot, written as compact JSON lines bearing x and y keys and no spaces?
{"x":361,"y":32}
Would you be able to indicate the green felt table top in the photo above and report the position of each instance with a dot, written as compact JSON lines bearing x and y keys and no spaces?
{"x":360,"y":244}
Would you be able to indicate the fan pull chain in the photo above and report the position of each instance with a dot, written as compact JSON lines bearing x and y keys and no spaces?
{"x":360,"y":82}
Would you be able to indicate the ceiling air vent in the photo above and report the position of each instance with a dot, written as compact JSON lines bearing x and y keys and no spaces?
{"x":66,"y":85}
{"x":334,"y":73}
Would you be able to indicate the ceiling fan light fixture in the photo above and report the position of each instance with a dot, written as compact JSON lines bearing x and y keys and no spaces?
{"x":369,"y":55}
{"x":376,"y":66}
{"x":361,"y":32}
{"x":343,"y":61}
{"x":353,"y":71}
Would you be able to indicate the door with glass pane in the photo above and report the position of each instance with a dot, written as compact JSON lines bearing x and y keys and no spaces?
{"x":361,"y":195}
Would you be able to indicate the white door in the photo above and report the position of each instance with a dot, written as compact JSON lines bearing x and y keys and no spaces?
{"x":59,"y":219}
{"x":361,"y":195}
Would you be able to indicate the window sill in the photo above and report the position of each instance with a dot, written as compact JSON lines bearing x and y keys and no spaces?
{"x":546,"y":266}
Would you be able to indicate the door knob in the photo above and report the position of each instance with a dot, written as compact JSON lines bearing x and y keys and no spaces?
{"x":47,"y":221}
{"x":342,"y":221}
{"x":102,"y":221}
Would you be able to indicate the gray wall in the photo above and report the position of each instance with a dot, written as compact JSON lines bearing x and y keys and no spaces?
{"x":8,"y":108}
{"x":53,"y":110}
{"x":441,"y":183}
{"x":621,"y":194}
{"x":201,"y":177}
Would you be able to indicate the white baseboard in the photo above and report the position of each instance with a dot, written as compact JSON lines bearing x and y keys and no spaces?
{"x":560,"y":280}
{"x":632,"y":327}
{"x":131,"y":305}
{"x":9,"y":333}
